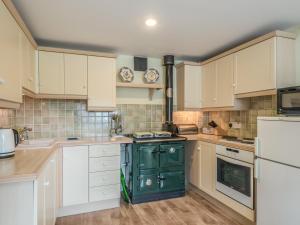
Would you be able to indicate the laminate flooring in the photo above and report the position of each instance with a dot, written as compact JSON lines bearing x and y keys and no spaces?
{"x":192,"y":209}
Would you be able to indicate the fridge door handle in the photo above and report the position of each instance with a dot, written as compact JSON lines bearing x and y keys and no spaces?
{"x":256,"y":169}
{"x":257,"y":146}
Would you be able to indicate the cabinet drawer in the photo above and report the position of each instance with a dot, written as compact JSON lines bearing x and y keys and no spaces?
{"x":104,"y":192}
{"x":104,"y":150}
{"x":104,"y":164}
{"x":104,"y":178}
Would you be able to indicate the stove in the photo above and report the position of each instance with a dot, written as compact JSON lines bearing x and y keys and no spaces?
{"x":249,"y":141}
{"x":155,"y":139}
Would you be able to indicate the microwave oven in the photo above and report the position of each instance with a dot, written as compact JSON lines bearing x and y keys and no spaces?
{"x":288,"y":101}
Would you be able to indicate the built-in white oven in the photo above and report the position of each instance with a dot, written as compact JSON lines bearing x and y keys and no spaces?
{"x":235,"y":174}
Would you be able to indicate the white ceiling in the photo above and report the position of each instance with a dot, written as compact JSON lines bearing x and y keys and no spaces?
{"x":192,"y":29}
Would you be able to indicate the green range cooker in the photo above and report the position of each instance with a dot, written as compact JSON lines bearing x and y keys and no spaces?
{"x":155,"y":169}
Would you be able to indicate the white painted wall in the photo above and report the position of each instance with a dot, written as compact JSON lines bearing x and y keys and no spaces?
{"x":137,"y":95}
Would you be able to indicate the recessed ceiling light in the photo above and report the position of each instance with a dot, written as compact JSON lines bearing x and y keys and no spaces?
{"x":150,"y":22}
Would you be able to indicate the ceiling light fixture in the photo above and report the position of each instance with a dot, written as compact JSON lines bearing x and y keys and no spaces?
{"x":150,"y":22}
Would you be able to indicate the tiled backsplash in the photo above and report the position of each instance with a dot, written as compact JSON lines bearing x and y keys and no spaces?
{"x":68,"y":118}
{"x":65,"y":118}
{"x":259,"y":106}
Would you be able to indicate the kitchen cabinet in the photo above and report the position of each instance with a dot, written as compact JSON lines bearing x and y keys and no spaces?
{"x":265,"y":66}
{"x":218,"y":86}
{"x":224,"y":77}
{"x":51,"y":73}
{"x":31,"y":202}
{"x":75,"y":74}
{"x":202,"y":169}
{"x":75,"y":175}
{"x":209,"y":88}
{"x":10,"y":58}
{"x":189,"y":86}
{"x":101,"y":83}
{"x":46,"y":202}
{"x":28,"y":64}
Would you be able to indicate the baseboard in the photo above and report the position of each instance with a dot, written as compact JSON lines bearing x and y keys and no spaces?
{"x":227,"y":210}
{"x":89,"y":207}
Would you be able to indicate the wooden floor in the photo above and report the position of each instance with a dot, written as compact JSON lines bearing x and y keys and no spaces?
{"x":189,"y":210}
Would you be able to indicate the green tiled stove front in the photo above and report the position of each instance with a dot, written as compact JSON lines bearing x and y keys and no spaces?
{"x":157,"y":171}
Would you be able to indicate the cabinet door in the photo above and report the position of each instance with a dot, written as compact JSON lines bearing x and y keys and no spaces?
{"x":195,"y":168}
{"x":207,"y":171}
{"x":51,"y":72}
{"x":209,"y":81}
{"x":50,"y":192}
{"x":255,"y":67}
{"x":41,"y":199}
{"x":75,"y":74}
{"x":75,"y":175}
{"x":28,"y":64}
{"x":189,"y":87}
{"x":148,"y":181}
{"x":225,"y":95}
{"x":101,"y":83}
{"x":10,"y":57}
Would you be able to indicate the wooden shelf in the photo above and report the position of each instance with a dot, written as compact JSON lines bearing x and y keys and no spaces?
{"x":151,"y":87}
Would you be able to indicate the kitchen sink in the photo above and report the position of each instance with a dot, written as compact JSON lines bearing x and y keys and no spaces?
{"x":36,"y":143}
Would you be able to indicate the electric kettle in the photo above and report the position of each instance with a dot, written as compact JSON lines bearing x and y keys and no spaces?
{"x":9,"y":139}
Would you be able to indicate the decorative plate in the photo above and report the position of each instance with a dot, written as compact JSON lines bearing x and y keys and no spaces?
{"x":126,"y":74}
{"x":151,"y":75}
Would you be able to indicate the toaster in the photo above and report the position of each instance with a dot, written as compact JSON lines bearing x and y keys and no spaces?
{"x":185,"y":129}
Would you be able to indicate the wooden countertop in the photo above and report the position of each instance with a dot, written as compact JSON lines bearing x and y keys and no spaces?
{"x":28,"y":162}
{"x":214,"y":139}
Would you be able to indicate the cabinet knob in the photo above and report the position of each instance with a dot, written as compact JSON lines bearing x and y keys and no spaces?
{"x":46,"y":183}
{"x":2,"y":81}
{"x":215,"y":99}
{"x":84,"y":87}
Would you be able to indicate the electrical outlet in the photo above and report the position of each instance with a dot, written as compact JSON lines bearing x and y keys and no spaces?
{"x":235,"y":125}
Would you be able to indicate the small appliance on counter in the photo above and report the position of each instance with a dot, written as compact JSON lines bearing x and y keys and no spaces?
{"x":186,"y":129}
{"x":9,"y":139}
{"x":208,"y":130}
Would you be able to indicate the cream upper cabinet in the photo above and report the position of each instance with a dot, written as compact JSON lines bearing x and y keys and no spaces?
{"x":209,"y":88}
{"x":225,"y":95}
{"x":75,"y":74}
{"x":10,"y":58}
{"x":188,"y":86}
{"x":265,"y":66}
{"x":101,"y":83}
{"x":255,"y":67}
{"x":28,"y":64}
{"x":51,"y":73}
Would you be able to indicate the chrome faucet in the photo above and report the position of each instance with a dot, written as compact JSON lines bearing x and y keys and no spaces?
{"x":23,"y":133}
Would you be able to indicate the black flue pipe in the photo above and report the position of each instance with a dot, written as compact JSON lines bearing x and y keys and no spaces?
{"x":169,"y":63}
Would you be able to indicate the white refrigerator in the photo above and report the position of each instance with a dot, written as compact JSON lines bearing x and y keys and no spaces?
{"x":277,"y":171}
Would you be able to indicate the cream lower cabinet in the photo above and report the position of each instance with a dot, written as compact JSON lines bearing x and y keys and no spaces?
{"x":189,"y":86}
{"x":51,"y":73}
{"x":202,"y":169}
{"x":90,"y":178}
{"x":265,"y":66}
{"x":10,"y":58}
{"x":75,"y":74}
{"x":101,"y":83}
{"x":75,"y":175}
{"x":46,"y":206}
{"x":30,"y":202}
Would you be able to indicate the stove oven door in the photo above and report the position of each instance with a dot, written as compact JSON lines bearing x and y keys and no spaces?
{"x":148,"y":181}
{"x":171,"y":181}
{"x":148,"y":156}
{"x":171,"y":155}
